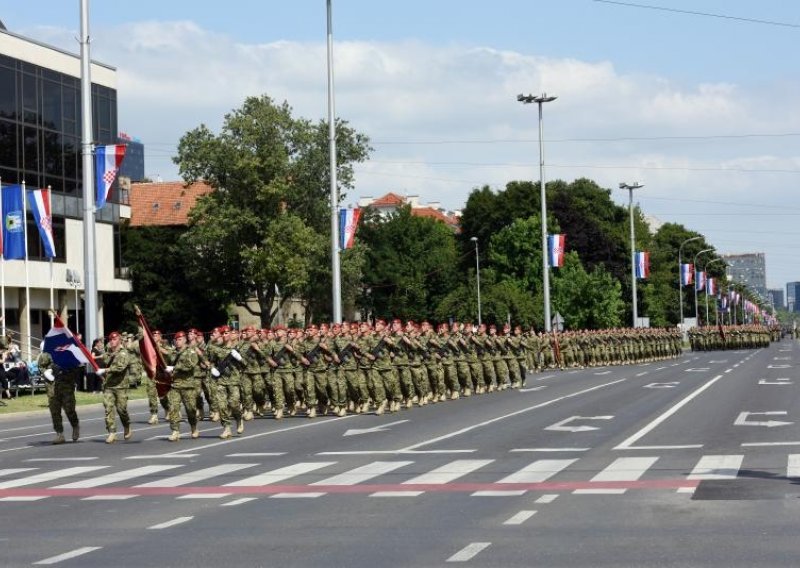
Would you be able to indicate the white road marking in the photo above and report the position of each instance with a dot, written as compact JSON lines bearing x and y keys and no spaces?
{"x":172,"y":523}
{"x":520,"y":518}
{"x":562,"y":425}
{"x":396,"y":494}
{"x":59,"y":459}
{"x":13,"y":470}
{"x":363,"y":473}
{"x":538,"y":471}
{"x":779,"y":381}
{"x":768,"y":444}
{"x":109,"y":497}
{"x":116,"y":477}
{"x":204,"y":496}
{"x":50,"y":476}
{"x":742,"y":419}
{"x":627,"y":444}
{"x":717,"y":467}
{"x":379,"y":428}
{"x":256,"y":455}
{"x":793,"y":466}
{"x":599,"y":492}
{"x":547,"y":450}
{"x":394,"y":452}
{"x":67,"y":555}
{"x":547,"y":498}
{"x":468,"y":552}
{"x":625,"y":469}
{"x":236,"y":502}
{"x":499,"y":493}
{"x":161,"y":456}
{"x":669,"y":385}
{"x":199,"y":475}
{"x":307,"y":495}
{"x":278,"y":475}
{"x":533,"y":389}
{"x":24,"y":498}
{"x":448,"y":472}
{"x":642,"y":374}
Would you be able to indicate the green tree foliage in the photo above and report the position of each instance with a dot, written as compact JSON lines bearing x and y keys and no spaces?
{"x":499,"y":301}
{"x":589,"y":300}
{"x":411,"y":264}
{"x":167,"y":295}
{"x":265,"y":228}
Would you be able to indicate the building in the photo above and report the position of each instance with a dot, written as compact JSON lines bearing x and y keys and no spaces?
{"x":776,"y":298}
{"x":132,"y":166}
{"x":792,"y":294}
{"x":749,"y":269}
{"x":391,"y":202}
{"x":40,"y":144}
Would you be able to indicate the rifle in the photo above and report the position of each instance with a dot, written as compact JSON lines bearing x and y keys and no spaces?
{"x":377,"y":351}
{"x":346,"y":353}
{"x":313,"y":355}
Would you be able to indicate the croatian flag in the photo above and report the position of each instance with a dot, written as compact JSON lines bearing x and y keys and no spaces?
{"x":687,"y":274}
{"x":700,"y":281}
{"x":711,"y":287}
{"x":555,"y":250}
{"x":40,"y":203}
{"x":107,"y":162}
{"x":642,"y":264}
{"x":348,"y":222}
{"x":66,"y":350}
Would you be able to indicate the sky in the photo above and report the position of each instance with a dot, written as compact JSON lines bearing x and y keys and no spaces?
{"x":695,"y":99}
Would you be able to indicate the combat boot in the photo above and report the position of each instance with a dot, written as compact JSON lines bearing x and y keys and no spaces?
{"x":226,"y":433}
{"x":59,"y":439}
{"x":153,"y":419}
{"x":467,"y":392}
{"x":195,"y":433}
{"x":381,"y":408}
{"x":128,"y":432}
{"x":312,"y":412}
{"x":76,"y":433}
{"x":240,"y":426}
{"x":454,"y":395}
{"x":200,"y":415}
{"x":175,"y":436}
{"x":342,"y":411}
{"x":279,"y":414}
{"x":112,"y":437}
{"x":214,"y":417}
{"x":248,"y":415}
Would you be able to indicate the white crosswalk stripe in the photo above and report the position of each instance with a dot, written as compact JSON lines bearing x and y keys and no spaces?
{"x":280,"y":474}
{"x":448,"y":472}
{"x":116,"y":477}
{"x":363,"y":473}
{"x":50,"y":476}
{"x":538,"y":471}
{"x":621,"y":469}
{"x":793,"y":466}
{"x":13,"y":470}
{"x":197,"y":476}
{"x":717,"y":467}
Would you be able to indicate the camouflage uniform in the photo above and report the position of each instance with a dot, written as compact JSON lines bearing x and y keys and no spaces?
{"x":60,"y":395}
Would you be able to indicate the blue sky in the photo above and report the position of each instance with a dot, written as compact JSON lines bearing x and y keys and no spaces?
{"x":670,"y":99}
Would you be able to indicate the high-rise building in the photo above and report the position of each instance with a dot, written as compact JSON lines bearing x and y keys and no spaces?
{"x":40,"y":144}
{"x":749,"y":269}
{"x":792,"y":294}
{"x":776,"y":298}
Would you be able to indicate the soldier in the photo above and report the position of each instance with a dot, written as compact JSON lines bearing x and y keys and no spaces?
{"x":183,"y":368}
{"x":116,"y":362}
{"x":316,"y":370}
{"x":221,"y":355}
{"x":60,"y":395}
{"x":207,"y":388}
{"x":381,"y":347}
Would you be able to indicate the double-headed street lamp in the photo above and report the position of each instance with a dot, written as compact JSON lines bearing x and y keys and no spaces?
{"x":630,"y":188}
{"x":545,"y":268}
{"x":709,"y":263}
{"x":477,"y":275}
{"x":680,"y":273}
{"x":696,"y":312}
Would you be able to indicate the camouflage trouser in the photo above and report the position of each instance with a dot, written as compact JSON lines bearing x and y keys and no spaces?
{"x":476,"y":373}
{"x":208,"y":388}
{"x":450,"y":376}
{"x":228,"y":397}
{"x":419,"y":378}
{"x":391,"y":384}
{"x":436,"y":378}
{"x":299,"y":385}
{"x":187,"y":396}
{"x":316,"y":387}
{"x":247,"y":390}
{"x":153,"y":399}
{"x":259,"y":390}
{"x":501,"y":371}
{"x":115,"y":401}
{"x":283,"y":388}
{"x":356,"y":385}
{"x":464,"y":375}
{"x":375,"y":385}
{"x":406,"y":382}
{"x":337,"y":386}
{"x":489,"y":375}
{"x":61,"y":395}
{"x":522,"y":370}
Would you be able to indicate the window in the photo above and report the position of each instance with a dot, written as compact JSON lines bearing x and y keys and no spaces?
{"x":8,"y":95}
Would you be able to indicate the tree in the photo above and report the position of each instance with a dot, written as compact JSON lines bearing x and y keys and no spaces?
{"x":586,"y":300}
{"x":263,"y":231}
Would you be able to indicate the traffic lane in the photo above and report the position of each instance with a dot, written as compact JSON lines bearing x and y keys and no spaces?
{"x":709,"y":419}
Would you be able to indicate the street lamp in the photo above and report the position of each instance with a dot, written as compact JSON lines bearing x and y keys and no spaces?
{"x":680,"y":268}
{"x":630,"y":188}
{"x":477,"y":275}
{"x":696,"y":312}
{"x":545,"y":268}
{"x":709,"y":263}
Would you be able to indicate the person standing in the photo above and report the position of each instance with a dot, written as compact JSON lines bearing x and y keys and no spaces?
{"x":60,"y":395}
{"x":116,"y":362}
{"x":184,"y":387}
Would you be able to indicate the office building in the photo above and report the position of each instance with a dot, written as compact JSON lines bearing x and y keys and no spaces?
{"x":748,"y":269}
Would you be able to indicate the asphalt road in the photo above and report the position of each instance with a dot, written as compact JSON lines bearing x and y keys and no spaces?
{"x":688,"y":462}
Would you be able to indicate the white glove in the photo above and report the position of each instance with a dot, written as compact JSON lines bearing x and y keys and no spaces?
{"x":236,"y":355}
{"x":48,"y":374}
{"x":169,"y":368}
{"x":215,"y":372}
{"x":100,"y":372}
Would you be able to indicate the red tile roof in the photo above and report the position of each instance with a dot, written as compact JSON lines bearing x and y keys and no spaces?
{"x":388,"y":200}
{"x":164,"y":203}
{"x":435,"y":214}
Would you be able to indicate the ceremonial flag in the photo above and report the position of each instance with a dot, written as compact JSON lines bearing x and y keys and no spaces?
{"x":642,"y":259}
{"x":700,"y":281}
{"x":66,"y":350}
{"x":711,"y":287}
{"x":555,"y":250}
{"x":687,"y":274}
{"x":107,"y":162}
{"x":152,"y":358}
{"x":13,"y":223}
{"x":40,"y":203}
{"x":348,"y":222}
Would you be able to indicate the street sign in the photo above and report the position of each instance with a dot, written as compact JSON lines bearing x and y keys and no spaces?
{"x":558,"y":322}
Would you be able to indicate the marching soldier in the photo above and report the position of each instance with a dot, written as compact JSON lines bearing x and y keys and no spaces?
{"x":116,"y":361}
{"x":60,"y":395}
{"x":184,"y":387}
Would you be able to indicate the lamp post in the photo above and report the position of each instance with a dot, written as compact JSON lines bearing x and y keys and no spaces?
{"x":477,"y":275}
{"x":696,"y":312}
{"x":630,"y":188}
{"x":709,"y":263}
{"x":545,"y":268}
{"x":680,"y":268}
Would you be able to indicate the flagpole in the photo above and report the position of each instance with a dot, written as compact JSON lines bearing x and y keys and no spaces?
{"x":2,"y":272}
{"x":335,"y":260}
{"x":52,"y":307}
{"x":27,"y":278}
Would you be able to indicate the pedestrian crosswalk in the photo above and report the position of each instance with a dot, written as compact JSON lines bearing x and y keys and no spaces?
{"x":510,"y":476}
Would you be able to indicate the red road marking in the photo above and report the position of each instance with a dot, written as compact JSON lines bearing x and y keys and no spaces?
{"x":355,"y":489}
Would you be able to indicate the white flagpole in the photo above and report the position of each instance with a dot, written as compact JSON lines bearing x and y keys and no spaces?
{"x":27,"y":279}
{"x":52,"y":306}
{"x":2,"y":274}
